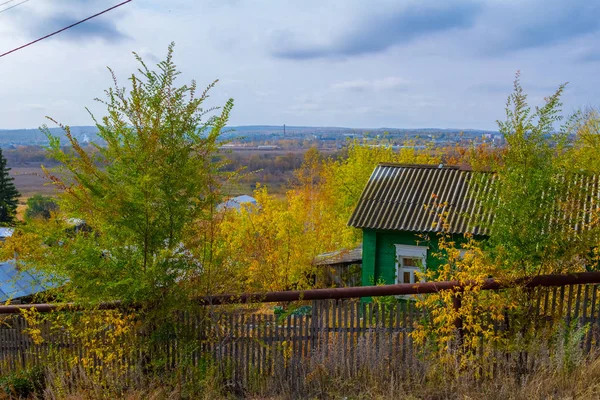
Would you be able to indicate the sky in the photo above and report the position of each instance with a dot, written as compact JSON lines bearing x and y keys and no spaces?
{"x":350,"y":63}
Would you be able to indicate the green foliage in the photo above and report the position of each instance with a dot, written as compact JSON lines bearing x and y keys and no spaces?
{"x":145,"y":195}
{"x":40,"y":206}
{"x":535,"y":203}
{"x":347,"y":176}
{"x":568,"y":352}
{"x":24,"y":383}
{"x":9,"y":195}
{"x":583,"y":156}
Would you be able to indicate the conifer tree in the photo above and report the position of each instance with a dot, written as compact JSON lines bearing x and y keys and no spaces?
{"x":9,"y":194}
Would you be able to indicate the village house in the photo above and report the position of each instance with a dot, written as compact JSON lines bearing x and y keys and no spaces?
{"x":398,"y":213}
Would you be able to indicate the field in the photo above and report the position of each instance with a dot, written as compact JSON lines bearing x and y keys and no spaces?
{"x":272,"y":168}
{"x":30,"y":180}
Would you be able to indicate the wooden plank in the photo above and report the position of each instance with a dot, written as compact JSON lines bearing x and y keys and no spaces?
{"x":268,"y":342}
{"x":545,"y":313}
{"x":306,"y":334}
{"x":3,"y":352}
{"x":346,"y":341}
{"x":376,"y":330}
{"x":326,"y":330}
{"x":577,"y":303}
{"x":276,"y":346}
{"x":296,"y":333}
{"x":410,"y":328}
{"x":397,"y":326}
{"x":18,"y":342}
{"x":569,"y":304}
{"x":253,"y":342}
{"x":256,"y":343}
{"x":593,"y":327}
{"x":365,"y":315}
{"x":13,"y":343}
{"x":584,"y":306}
{"x":236,"y":346}
{"x":561,"y":300}
{"x":538,"y":307}
{"x":391,"y":313}
{"x":272,"y":344}
{"x":262,"y":343}
{"x":246,"y":350}
{"x":554,"y":300}
{"x":314,"y":325}
{"x":354,"y":312}
{"x":597,"y":330}
{"x":291,"y":323}
{"x":368,"y":332}
{"x":335,"y":316}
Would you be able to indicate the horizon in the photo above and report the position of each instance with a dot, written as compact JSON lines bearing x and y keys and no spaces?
{"x":297,"y":126}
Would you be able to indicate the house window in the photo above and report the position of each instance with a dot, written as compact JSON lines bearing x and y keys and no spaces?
{"x":409,"y":261}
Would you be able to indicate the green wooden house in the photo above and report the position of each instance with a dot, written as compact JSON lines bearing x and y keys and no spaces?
{"x":398,"y":214}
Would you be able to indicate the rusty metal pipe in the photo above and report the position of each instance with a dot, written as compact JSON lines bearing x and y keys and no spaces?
{"x":340,"y":293}
{"x":396,"y":290}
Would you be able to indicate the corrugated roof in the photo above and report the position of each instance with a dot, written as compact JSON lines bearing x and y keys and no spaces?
{"x":15,"y":284}
{"x":6,"y":232}
{"x":344,"y":256}
{"x":409,"y":198}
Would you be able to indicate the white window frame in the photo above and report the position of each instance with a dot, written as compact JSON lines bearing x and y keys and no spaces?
{"x":408,"y":251}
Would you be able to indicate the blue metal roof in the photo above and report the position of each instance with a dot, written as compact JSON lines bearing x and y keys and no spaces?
{"x":237,"y":202}
{"x":15,"y":284}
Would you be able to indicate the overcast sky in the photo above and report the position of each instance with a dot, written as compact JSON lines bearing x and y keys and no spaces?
{"x":404,"y":64}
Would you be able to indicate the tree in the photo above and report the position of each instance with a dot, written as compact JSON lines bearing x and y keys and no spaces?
{"x":142,"y":194}
{"x":9,"y":195}
{"x":273,"y":246}
{"x":536,"y":206}
{"x":40,"y":206}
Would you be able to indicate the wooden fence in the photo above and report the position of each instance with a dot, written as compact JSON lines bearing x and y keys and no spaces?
{"x":249,"y":342}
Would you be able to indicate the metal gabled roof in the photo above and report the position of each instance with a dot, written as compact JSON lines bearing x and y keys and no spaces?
{"x":15,"y":284}
{"x":411,"y":198}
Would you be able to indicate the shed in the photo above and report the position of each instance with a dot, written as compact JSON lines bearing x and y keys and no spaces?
{"x":340,"y":268}
{"x":397,"y":214}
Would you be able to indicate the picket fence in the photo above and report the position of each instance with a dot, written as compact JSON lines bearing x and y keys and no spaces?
{"x":250,"y":341}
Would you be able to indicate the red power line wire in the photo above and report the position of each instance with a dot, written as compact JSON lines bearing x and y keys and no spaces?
{"x":64,"y":29}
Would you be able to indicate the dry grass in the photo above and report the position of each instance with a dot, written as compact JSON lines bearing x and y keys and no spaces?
{"x":324,"y":379}
{"x":554,"y":366}
{"x":583,"y":383}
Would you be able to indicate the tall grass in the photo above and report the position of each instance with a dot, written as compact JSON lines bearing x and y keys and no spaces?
{"x":556,"y":369}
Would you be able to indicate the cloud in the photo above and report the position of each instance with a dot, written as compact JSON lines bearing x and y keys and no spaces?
{"x":591,"y":57}
{"x":391,"y":83}
{"x":378,"y":32}
{"x":479,"y":28}
{"x":538,"y":24}
{"x":588,"y":50}
{"x":101,"y":28}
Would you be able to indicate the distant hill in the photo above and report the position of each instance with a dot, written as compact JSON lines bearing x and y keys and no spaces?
{"x":35,"y":136}
{"x":89,"y":133}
